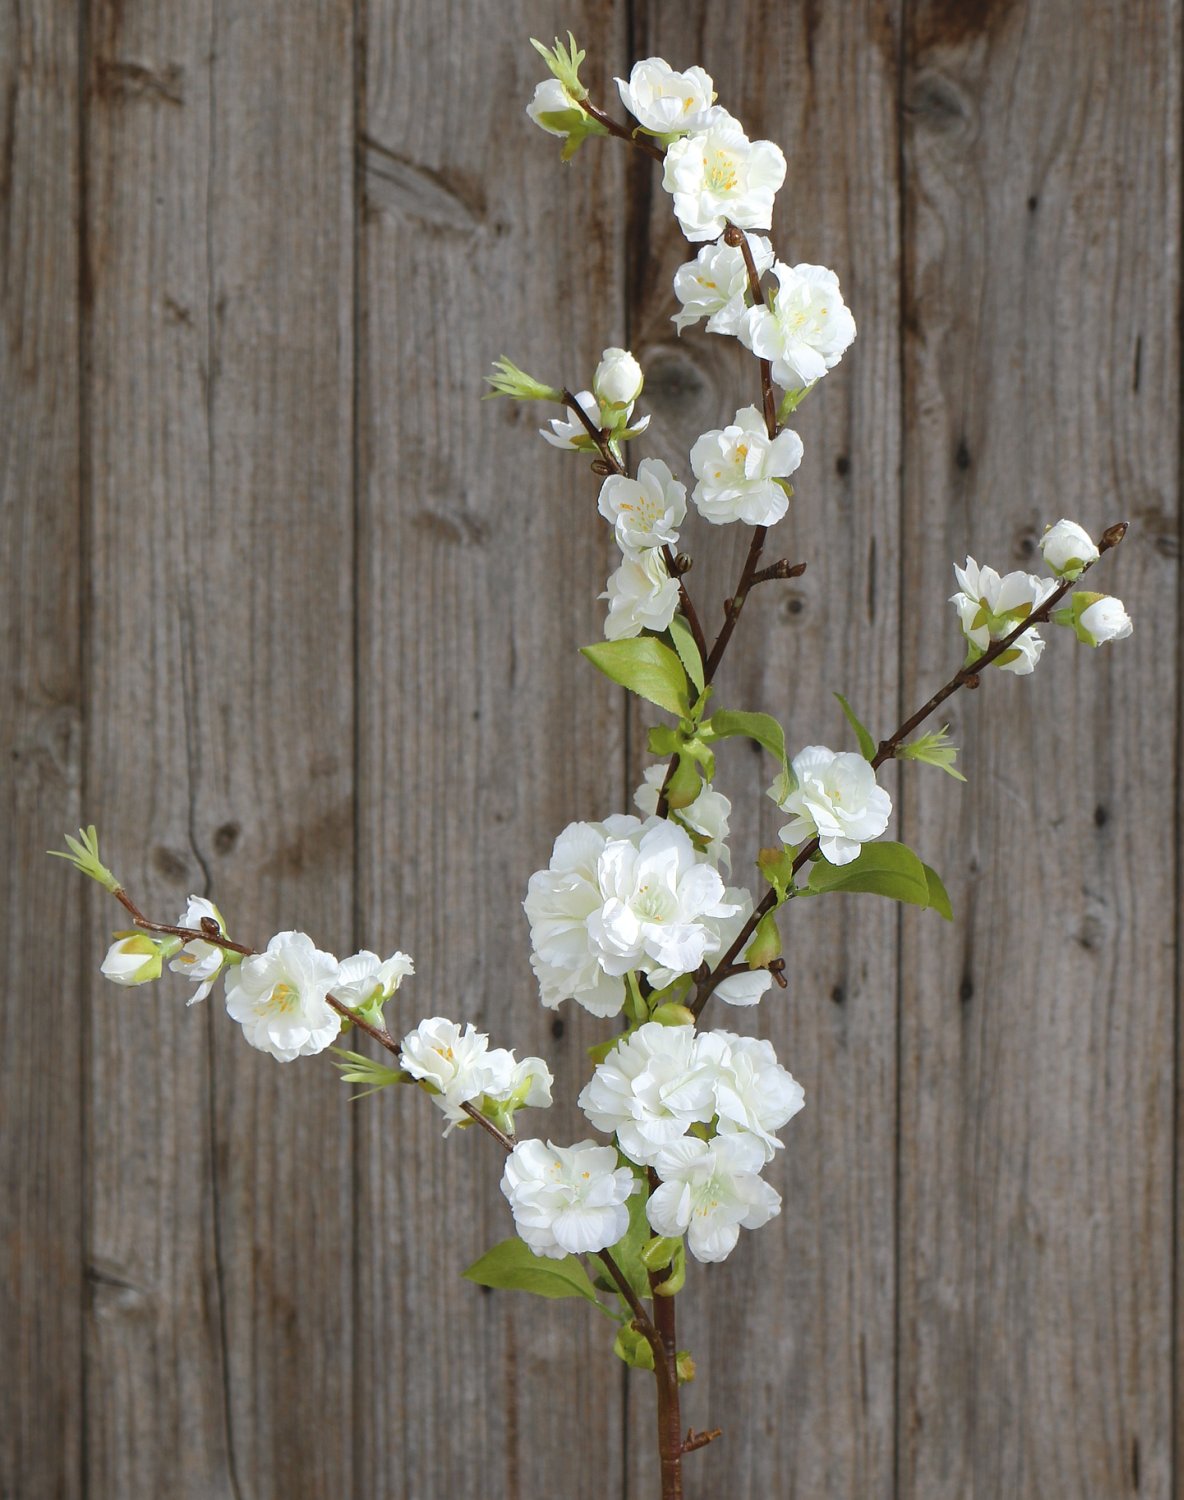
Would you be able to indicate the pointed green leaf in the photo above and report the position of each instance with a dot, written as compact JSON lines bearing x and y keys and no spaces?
{"x":938,"y":898}
{"x":882,"y":869}
{"x":513,"y":1266}
{"x":647,"y":667}
{"x":867,"y":746}
{"x":763,"y":728}
{"x":688,"y":653}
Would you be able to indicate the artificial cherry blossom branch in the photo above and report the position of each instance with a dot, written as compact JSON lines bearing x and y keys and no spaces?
{"x":622,"y":132}
{"x":966,"y":676}
{"x":739,"y":240}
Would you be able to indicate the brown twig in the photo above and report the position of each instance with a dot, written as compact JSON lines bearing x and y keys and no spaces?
{"x":695,"y":1439}
{"x":623,"y":133}
{"x":739,"y":241}
{"x":966,"y":676}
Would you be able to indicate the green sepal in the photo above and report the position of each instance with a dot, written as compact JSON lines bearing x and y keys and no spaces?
{"x":867,"y":746}
{"x":766,"y":943}
{"x":647,"y":667}
{"x":664,"y":739}
{"x":671,"y":1285}
{"x":698,"y":751}
{"x":636,"y":1009}
{"x":602,"y":1050}
{"x":658,"y":1252}
{"x":792,"y":400}
{"x":776,"y":865}
{"x":684,"y":1366}
{"x":688,"y":652}
{"x":514,"y":1267}
{"x":881,"y":869}
{"x":574,"y":135}
{"x":685,"y":785}
{"x":633,"y":1347}
{"x":671,"y":1013}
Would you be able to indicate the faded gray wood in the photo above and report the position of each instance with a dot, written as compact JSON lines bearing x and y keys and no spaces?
{"x":40,"y":736}
{"x":794,"y":1336}
{"x":481,"y":556}
{"x":220,"y":233}
{"x":1042,"y":165}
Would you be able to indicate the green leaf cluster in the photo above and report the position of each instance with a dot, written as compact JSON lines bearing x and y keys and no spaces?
{"x":933,"y":749}
{"x":508,"y":380}
{"x":83,"y":853}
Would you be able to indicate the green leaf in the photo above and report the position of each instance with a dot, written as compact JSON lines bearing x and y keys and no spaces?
{"x":867,"y":746}
{"x":684,"y":786}
{"x":725,"y":723}
{"x":938,"y":898}
{"x":882,"y":869}
{"x":513,"y":1266}
{"x":634,"y":1348}
{"x":688,"y":652}
{"x":647,"y":667}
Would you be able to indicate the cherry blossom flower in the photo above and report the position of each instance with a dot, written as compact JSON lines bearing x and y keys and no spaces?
{"x":710,"y":1190}
{"x":641,"y":596}
{"x":836,"y":799}
{"x":136,"y":958}
{"x":200,"y":962}
{"x":664,"y":101}
{"x":650,"y":1089}
{"x":718,"y":176}
{"x":1068,"y":549}
{"x":278,"y":997}
{"x":806,"y":330}
{"x":618,"y":379}
{"x":753,"y":1094}
{"x":715,"y":284}
{"x":1105,"y":619}
{"x":644,"y":512}
{"x":706,"y":816}
{"x":738,"y":468}
{"x":567,"y":1200}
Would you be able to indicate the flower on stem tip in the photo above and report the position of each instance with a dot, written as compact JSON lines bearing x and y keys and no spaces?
{"x":618,"y":379}
{"x":1095,"y":618}
{"x":567,"y":1200}
{"x":136,"y":958}
{"x":836,"y":800}
{"x":664,"y":101}
{"x":718,"y":176}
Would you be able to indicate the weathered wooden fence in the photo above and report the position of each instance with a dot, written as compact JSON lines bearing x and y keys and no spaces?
{"x":294,"y":619}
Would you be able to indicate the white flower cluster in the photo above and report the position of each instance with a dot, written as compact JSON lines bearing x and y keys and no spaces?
{"x":645,"y":514}
{"x":626,"y":896}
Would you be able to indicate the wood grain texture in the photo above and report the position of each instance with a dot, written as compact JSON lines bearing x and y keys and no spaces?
{"x":40,"y":761}
{"x":481,"y":554}
{"x":794,"y":1336}
{"x":1042,"y":236}
{"x":220,"y":232}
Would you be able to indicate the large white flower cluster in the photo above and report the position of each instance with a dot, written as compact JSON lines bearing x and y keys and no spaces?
{"x":701,"y":1109}
{"x":618,"y":897}
{"x":989,"y":607}
{"x":459,"y":1067}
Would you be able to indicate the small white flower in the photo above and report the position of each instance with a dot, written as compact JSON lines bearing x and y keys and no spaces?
{"x":559,"y":902}
{"x":618,"y":379}
{"x":990,"y":607}
{"x":570,"y":434}
{"x":646,"y":511}
{"x":523,"y":1085}
{"x":567,"y":1200}
{"x":711,"y":1190}
{"x":365,"y":979}
{"x":641,"y":595}
{"x":650,"y":1089}
{"x":200,"y":962}
{"x":715,"y":284}
{"x":707,"y":815}
{"x":664,"y":101}
{"x":837,"y":800}
{"x":806,"y":331}
{"x":718,"y":175}
{"x":457,"y":1065}
{"x":1068,"y":549}
{"x":738,"y":468}
{"x":135,"y":958}
{"x":1022,"y":655}
{"x":1105,"y":619}
{"x":654,"y":895}
{"x":754,"y":1094}
{"x":278,"y":997}
{"x":551,"y":98}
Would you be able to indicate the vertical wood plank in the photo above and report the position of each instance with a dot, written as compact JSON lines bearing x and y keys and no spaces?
{"x":1042,"y":163}
{"x":483,"y":733}
{"x":40,"y":741}
{"x":794,"y":1336}
{"x":220,"y":231}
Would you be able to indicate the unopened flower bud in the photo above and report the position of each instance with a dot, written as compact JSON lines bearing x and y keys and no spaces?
{"x":1068,"y":549}
{"x":618,"y":379}
{"x":136,"y":958}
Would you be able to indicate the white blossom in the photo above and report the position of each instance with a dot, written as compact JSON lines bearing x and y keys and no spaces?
{"x":710,"y":1190}
{"x":655,"y":893}
{"x":568,"y":434}
{"x":990,"y":607}
{"x":646,"y":511}
{"x":650,"y":1089}
{"x":526,"y":1084}
{"x":567,"y":1200}
{"x":551,"y":98}
{"x":1105,"y":619}
{"x":200,"y":962}
{"x":641,"y":595}
{"x":1068,"y":549}
{"x":134,"y":958}
{"x":806,"y":330}
{"x":664,"y":101}
{"x":753,"y":1094}
{"x":715,"y":284}
{"x":718,"y":175}
{"x":458,"y":1066}
{"x":365,"y":979}
{"x":559,"y":901}
{"x":618,"y":379}
{"x":278,"y":997}
{"x":738,"y":468}
{"x":707,"y":815}
{"x":837,"y":801}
